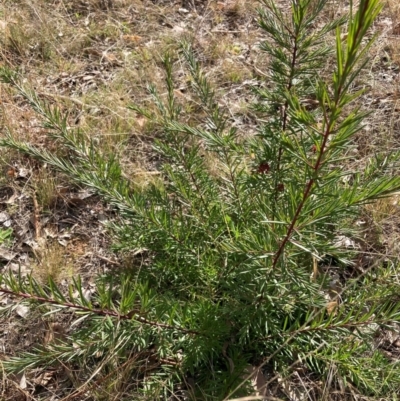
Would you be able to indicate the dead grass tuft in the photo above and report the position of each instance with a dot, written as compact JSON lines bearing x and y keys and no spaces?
{"x":45,"y":186}
{"x":52,"y":262}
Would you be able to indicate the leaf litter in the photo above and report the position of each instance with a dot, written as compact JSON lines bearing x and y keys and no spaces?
{"x":100,"y":48}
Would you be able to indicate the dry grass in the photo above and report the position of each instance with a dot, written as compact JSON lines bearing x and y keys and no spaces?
{"x":95,"y":57}
{"x":45,"y":186}
{"x":52,"y":262}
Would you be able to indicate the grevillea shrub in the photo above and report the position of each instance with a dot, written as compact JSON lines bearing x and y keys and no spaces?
{"x":230,"y":277}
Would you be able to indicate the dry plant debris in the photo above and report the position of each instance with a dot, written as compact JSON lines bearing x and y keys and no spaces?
{"x":94,"y":57}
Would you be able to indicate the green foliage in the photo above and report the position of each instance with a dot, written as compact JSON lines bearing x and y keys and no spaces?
{"x":227,"y":281}
{"x":5,"y":235}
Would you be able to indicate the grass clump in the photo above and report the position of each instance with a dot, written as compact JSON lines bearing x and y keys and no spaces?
{"x":233,"y":269}
{"x":52,"y":264}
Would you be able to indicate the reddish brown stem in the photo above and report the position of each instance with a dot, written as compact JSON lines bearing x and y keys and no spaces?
{"x":103,"y":312}
{"x":306,"y":193}
{"x":318,"y":163}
